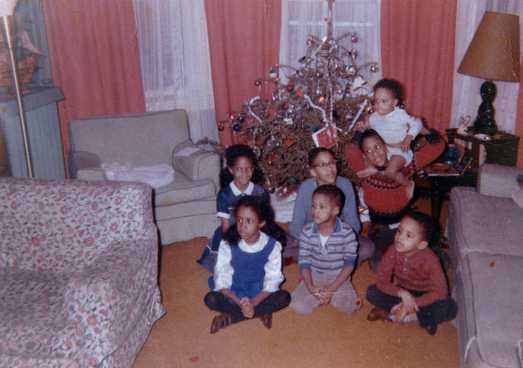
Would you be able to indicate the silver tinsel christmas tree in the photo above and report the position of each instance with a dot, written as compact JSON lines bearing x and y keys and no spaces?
{"x":315,"y":104}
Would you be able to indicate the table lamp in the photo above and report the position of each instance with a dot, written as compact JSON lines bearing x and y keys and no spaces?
{"x":7,"y":8}
{"x":492,"y":55}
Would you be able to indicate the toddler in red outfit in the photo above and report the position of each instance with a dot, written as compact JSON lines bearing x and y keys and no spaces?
{"x":411,"y":283}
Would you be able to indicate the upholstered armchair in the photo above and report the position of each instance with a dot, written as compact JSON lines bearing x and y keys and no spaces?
{"x":184,"y":209}
{"x":78,"y":273}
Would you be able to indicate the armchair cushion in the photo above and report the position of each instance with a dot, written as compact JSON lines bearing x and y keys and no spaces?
{"x":198,"y":164}
{"x":183,"y":190}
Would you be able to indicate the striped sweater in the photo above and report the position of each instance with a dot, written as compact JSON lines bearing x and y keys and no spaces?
{"x":339,"y":251}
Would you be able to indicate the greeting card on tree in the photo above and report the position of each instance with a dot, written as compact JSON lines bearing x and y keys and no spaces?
{"x":325,"y":137}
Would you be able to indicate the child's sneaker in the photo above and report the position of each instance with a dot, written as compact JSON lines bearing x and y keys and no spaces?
{"x":408,"y":318}
{"x":431,"y":329}
{"x":220,"y":321}
{"x":266,"y":319}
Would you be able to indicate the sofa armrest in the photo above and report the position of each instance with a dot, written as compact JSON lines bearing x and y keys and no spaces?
{"x":85,"y":165}
{"x":498,"y":180}
{"x":105,"y":296}
{"x":196,"y":163}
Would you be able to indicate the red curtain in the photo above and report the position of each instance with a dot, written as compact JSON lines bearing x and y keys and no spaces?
{"x":244,"y":42}
{"x":417,"y":45}
{"x":93,"y":49}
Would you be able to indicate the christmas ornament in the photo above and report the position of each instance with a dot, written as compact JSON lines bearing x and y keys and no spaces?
{"x":315,"y":104}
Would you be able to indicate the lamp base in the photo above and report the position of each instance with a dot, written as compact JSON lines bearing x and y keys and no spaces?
{"x":485,"y":122}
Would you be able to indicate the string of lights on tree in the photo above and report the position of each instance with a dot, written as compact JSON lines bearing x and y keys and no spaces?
{"x":325,"y":95}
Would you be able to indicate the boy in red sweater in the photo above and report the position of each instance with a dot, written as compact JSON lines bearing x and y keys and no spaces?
{"x":411,"y":283}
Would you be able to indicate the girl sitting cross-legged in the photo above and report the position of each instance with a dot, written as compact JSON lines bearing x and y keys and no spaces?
{"x":242,"y":176}
{"x":248,"y":271}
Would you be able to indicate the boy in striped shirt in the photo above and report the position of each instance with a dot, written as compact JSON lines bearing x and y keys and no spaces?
{"x":327,"y":255}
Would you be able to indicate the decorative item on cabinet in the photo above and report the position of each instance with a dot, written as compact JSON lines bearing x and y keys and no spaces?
{"x":28,"y":111}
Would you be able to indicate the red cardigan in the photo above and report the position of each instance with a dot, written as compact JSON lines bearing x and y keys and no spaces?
{"x":420,"y":271}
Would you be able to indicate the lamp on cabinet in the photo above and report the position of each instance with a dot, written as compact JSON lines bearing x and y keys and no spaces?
{"x":493,"y":54}
{"x":7,"y":8}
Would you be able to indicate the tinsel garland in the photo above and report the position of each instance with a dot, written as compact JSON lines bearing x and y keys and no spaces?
{"x":329,"y":89}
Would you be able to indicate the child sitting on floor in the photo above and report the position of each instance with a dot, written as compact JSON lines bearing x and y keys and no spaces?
{"x":396,"y":127}
{"x":327,"y":256}
{"x":323,"y":170}
{"x":241,"y":177}
{"x":248,"y":271}
{"x":419,"y":290}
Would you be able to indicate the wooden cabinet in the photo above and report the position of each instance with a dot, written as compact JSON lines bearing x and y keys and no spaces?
{"x":43,"y":131}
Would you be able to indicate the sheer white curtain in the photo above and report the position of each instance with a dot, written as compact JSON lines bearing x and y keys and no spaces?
{"x":174,"y":55}
{"x":466,"y":98}
{"x":303,"y":17}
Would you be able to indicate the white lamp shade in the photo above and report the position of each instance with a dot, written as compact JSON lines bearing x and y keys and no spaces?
{"x":7,"y":7}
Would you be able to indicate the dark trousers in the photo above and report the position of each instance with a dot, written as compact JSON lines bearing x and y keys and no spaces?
{"x":217,"y":301}
{"x":382,"y":237}
{"x":429,"y":315}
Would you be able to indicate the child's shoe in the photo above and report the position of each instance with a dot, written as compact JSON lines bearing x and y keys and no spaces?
{"x":266,"y":319}
{"x":408,"y":318}
{"x":220,"y":321}
{"x":431,"y":329}
{"x":377,"y":314}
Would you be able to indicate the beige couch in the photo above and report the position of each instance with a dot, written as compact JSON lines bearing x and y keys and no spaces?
{"x":485,"y":229}
{"x":184,"y":209}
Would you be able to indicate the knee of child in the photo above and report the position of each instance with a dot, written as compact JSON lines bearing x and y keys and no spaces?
{"x":372,"y":293}
{"x":300,"y":307}
{"x":210,"y":298}
{"x":284,"y":297}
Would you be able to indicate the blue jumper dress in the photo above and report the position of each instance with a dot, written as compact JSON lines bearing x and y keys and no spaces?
{"x":249,"y":270}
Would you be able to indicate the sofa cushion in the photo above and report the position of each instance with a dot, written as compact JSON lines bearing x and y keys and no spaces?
{"x":183,"y":189}
{"x":33,"y":322}
{"x":517,"y":196}
{"x":496,"y":306}
{"x":481,"y":223}
{"x":498,"y":180}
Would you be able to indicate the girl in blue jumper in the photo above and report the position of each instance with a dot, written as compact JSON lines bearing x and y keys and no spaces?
{"x":248,"y":271}
{"x":240,"y":177}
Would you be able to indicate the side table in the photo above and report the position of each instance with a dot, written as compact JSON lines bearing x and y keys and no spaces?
{"x":441,"y":185}
{"x":501,"y":148}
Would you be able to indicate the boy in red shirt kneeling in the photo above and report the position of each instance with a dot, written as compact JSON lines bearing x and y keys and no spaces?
{"x":411,"y":283}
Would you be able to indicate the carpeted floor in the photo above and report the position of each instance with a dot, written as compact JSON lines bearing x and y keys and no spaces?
{"x":326,"y":338}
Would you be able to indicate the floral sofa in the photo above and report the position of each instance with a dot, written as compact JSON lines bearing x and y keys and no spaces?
{"x":78,"y":273}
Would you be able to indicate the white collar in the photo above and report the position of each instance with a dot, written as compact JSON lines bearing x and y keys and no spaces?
{"x":237,"y":192}
{"x":256,"y":247}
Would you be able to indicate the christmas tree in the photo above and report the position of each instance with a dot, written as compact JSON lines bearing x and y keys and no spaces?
{"x":316,"y":104}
